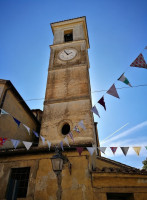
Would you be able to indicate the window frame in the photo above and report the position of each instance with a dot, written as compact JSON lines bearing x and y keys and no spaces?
{"x":18,"y":183}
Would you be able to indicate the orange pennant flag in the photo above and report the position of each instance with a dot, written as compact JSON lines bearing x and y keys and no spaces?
{"x":137,"y":150}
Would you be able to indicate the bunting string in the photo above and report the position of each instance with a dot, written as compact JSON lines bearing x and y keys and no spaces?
{"x":29,"y":130}
{"x":138,"y":62}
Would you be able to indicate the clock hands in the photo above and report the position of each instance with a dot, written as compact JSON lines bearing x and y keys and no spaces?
{"x":67,"y":53}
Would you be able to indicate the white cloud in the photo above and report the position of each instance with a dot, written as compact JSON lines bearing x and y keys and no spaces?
{"x":128,"y":132}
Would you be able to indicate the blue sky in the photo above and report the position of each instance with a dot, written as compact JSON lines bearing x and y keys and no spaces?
{"x":117,"y":33}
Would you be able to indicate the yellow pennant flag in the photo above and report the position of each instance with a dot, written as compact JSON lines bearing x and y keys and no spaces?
{"x":137,"y":150}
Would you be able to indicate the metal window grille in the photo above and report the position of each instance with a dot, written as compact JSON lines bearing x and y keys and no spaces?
{"x":18,"y":183}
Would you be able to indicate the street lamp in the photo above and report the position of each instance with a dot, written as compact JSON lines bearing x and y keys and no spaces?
{"x":57,"y":165}
{"x":57,"y":162}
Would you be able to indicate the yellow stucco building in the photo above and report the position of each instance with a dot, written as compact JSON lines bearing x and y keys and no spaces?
{"x":29,"y":174}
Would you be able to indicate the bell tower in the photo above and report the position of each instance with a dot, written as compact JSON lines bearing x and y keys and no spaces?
{"x":68,"y":92}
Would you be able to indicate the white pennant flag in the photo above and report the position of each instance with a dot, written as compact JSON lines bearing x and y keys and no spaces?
{"x":28,"y":129}
{"x":124,"y":80}
{"x":43,"y":139}
{"x":27,"y":144}
{"x":81,"y":124}
{"x":49,"y":144}
{"x":15,"y":143}
{"x":3,"y":112}
{"x":91,"y":150}
{"x":66,"y":141}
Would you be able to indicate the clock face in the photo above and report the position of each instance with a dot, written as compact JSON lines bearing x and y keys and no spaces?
{"x":67,"y":54}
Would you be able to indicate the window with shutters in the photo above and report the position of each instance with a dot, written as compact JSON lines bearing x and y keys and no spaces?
{"x":18,"y":183}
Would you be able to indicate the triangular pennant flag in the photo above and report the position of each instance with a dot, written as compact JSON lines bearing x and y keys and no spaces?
{"x":15,"y":143}
{"x":71,"y":136}
{"x":94,"y":110}
{"x":139,"y":62}
{"x":112,"y":91}
{"x":76,"y":129}
{"x":27,"y":144}
{"x":137,"y":150}
{"x":61,"y":144}
{"x":66,"y":141}
{"x":81,"y":124}
{"x":17,"y":121}
{"x":35,"y":133}
{"x":124,"y":150}
{"x":28,"y":129}
{"x":79,"y":149}
{"x":113,"y":149}
{"x":3,"y":112}
{"x":102,"y":102}
{"x":124,"y":80}
{"x":49,"y":144}
{"x":2,"y":140}
{"x":43,"y":139}
{"x":91,"y":150}
{"x":102,"y":149}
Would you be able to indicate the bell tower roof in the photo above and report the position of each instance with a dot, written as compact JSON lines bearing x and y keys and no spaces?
{"x":79,"y":26}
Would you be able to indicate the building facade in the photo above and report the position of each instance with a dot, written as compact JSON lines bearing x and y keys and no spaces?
{"x":29,"y":174}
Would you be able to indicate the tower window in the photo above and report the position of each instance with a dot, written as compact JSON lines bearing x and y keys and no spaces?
{"x":68,"y":36}
{"x":18,"y":183}
{"x":65,"y":129}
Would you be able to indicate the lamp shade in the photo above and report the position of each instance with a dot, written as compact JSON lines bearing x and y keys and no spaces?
{"x":57,"y":163}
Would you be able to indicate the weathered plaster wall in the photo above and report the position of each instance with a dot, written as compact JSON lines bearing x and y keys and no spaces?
{"x":43,"y":181}
{"x":78,"y":33}
{"x":8,"y":127}
{"x":140,"y":196}
{"x":1,"y":90}
{"x":80,"y":185}
{"x":101,"y":180}
{"x":5,"y":169}
{"x":55,"y":115}
{"x":67,"y":83}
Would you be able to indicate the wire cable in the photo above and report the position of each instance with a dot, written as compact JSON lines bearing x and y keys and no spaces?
{"x":135,"y":86}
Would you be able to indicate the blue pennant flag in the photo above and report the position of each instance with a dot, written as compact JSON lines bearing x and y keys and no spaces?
{"x":17,"y":121}
{"x":36,"y":134}
{"x":15,"y":143}
{"x":61,"y":144}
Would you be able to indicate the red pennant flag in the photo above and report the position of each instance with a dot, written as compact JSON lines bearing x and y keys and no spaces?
{"x":102,"y":102}
{"x":79,"y":149}
{"x":113,"y":149}
{"x":2,"y":140}
{"x":139,"y":62}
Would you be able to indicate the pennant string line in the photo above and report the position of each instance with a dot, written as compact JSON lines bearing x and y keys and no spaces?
{"x":144,"y":85}
{"x":96,"y":91}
